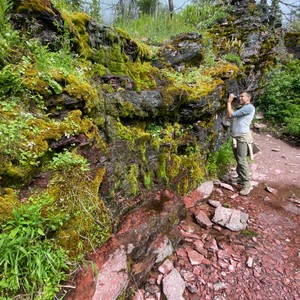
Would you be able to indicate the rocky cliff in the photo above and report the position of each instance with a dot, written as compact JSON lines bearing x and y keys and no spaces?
{"x":143,"y":122}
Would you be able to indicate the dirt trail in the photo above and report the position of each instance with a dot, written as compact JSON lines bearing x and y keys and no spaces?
{"x":278,"y":163}
{"x":262,"y":262}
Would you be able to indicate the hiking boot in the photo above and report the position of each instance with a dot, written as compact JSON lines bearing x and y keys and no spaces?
{"x":246,"y":190}
{"x":231,"y":180}
{"x":236,"y":180}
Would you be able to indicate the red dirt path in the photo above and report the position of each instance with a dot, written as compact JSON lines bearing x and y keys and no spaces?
{"x":270,"y":245}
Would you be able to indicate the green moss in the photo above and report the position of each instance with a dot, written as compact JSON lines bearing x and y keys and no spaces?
{"x":196,"y":82}
{"x":174,"y":166}
{"x":142,"y":74}
{"x":26,"y":150}
{"x":87,"y":224}
{"x":112,"y":58}
{"x":134,"y":134}
{"x":34,"y":5}
{"x":8,"y":202}
{"x":183,"y":186}
{"x":147,"y":179}
{"x":142,"y":50}
{"x":33,"y":82}
{"x":133,"y":176}
{"x":162,"y":167}
{"x":14,"y":174}
{"x":77,"y":23}
{"x":249,"y":233}
{"x":83,"y":90}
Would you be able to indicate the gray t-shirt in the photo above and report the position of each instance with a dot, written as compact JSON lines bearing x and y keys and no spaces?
{"x":242,"y":119}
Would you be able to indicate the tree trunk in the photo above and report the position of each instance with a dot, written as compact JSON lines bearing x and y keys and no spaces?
{"x":171,"y":8}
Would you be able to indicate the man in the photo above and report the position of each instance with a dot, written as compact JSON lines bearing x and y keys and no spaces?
{"x":242,"y":137}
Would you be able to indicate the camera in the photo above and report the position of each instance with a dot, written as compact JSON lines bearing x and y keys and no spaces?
{"x":236,"y":98}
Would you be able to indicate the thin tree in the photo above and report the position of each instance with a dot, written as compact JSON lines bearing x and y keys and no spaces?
{"x":171,"y":8}
{"x":95,"y":10}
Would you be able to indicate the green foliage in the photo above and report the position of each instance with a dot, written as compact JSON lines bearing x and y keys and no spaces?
{"x":95,"y":10}
{"x":203,"y":14}
{"x":13,"y":143}
{"x":154,"y":29}
{"x":161,"y":27}
{"x":281,"y":100}
{"x":67,"y":160}
{"x":30,"y":263}
{"x":148,"y":6}
{"x":234,"y":58}
{"x":5,"y":8}
{"x":9,"y":38}
{"x":62,"y":61}
{"x":10,"y":82}
{"x":219,"y":161}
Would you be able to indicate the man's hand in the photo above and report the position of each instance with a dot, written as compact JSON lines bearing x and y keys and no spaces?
{"x":229,"y":106}
{"x":230,"y":98}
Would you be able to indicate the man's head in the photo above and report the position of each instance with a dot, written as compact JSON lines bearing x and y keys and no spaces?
{"x":244,"y":98}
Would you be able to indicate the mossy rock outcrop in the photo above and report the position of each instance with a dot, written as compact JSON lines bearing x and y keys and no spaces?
{"x":142,"y":123}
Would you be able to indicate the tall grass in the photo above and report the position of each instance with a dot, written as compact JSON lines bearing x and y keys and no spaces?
{"x":160,"y":28}
{"x":30,"y":263}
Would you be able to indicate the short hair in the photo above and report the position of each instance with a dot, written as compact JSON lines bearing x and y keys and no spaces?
{"x":247,"y":93}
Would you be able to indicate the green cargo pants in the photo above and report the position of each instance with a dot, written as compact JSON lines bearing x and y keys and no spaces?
{"x":240,"y":154}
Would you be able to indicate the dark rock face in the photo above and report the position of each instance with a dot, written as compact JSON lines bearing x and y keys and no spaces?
{"x":184,"y":50}
{"x":43,"y":22}
{"x":253,"y":35}
{"x":144,"y":104}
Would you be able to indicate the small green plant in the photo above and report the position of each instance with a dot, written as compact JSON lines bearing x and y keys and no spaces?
{"x":10,"y":82}
{"x":5,"y":8}
{"x":219,"y":162}
{"x":62,"y":61}
{"x":31,"y":265}
{"x":234,"y":58}
{"x":203,"y":14}
{"x":11,"y":137}
{"x":67,"y":160}
{"x":9,"y":38}
{"x":249,"y":233}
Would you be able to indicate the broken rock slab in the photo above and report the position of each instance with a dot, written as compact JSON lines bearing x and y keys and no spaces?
{"x":202,"y":219}
{"x":201,"y":193}
{"x":173,"y":286}
{"x":232,"y":219}
{"x":113,"y":277}
{"x":227,"y":186}
{"x":162,"y":248}
{"x":214,"y":203}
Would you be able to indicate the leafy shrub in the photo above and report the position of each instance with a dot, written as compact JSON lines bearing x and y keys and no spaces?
{"x":30,"y":263}
{"x":9,"y":38}
{"x":67,"y":160}
{"x":203,"y":14}
{"x":234,"y":58}
{"x":219,"y":161}
{"x":62,"y":61}
{"x":10,"y":81}
{"x":281,"y":100}
{"x":5,"y":7}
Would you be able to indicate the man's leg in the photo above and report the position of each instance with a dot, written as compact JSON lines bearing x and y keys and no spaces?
{"x":242,"y":166}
